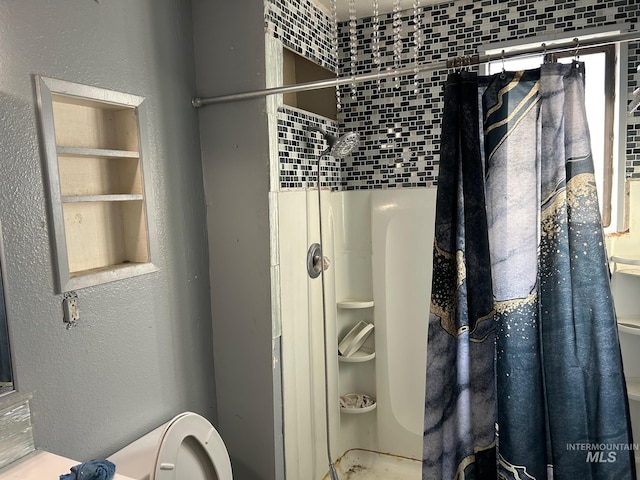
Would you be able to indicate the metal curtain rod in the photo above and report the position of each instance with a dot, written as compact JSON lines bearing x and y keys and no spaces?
{"x":457,"y":62}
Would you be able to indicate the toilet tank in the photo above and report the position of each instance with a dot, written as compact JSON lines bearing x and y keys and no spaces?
{"x":137,"y":459}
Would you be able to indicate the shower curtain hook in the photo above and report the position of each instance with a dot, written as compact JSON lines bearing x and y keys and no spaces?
{"x":544,"y":53}
{"x":502,"y":75}
{"x":576,"y":56}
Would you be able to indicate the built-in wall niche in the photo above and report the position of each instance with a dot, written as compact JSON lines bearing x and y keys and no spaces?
{"x":297,"y":69}
{"x":92,"y":141}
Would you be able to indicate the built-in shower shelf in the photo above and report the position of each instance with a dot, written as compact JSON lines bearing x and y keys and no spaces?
{"x":633,"y":388}
{"x":352,"y":411}
{"x":629,"y":265}
{"x":351,"y":303}
{"x":355,"y":411}
{"x":629,"y":325}
{"x":354,"y":403}
{"x":349,"y":402}
{"x":363,"y":355}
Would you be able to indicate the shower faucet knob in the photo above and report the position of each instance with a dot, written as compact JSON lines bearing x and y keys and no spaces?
{"x":316,"y":262}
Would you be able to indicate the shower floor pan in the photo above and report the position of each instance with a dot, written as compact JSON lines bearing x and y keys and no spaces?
{"x":359,"y":464}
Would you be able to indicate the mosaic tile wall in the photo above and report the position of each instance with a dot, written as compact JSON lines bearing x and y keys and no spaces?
{"x":303,"y":28}
{"x":399,"y":127}
{"x":307,"y":30}
{"x":633,"y":122}
{"x":402,"y":128}
{"x":299,"y":150}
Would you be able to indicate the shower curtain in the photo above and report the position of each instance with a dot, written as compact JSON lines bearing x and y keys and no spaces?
{"x":524,"y":372}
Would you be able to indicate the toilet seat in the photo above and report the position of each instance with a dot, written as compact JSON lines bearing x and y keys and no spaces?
{"x":190,"y":448}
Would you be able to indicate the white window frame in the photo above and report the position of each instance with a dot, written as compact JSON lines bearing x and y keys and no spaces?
{"x":619,"y":203}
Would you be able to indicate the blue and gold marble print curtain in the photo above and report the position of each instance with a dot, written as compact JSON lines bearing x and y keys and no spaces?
{"x":524,"y":373}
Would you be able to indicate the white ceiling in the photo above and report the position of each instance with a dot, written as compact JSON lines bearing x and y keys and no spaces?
{"x":363,"y":7}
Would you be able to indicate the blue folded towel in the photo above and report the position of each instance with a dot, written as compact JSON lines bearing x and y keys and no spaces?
{"x":93,"y":470}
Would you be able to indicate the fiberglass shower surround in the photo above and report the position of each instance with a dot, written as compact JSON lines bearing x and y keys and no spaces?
{"x":338,"y":148}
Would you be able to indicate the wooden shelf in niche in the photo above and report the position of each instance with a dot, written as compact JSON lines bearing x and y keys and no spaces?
{"x":82,"y":122}
{"x":93,"y":142}
{"x":104,"y":234}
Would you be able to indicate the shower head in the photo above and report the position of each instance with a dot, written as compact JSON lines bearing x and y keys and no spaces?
{"x":339,"y":147}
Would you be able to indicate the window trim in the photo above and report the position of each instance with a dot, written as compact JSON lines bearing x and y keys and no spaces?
{"x":607,"y":179}
{"x":619,"y":184}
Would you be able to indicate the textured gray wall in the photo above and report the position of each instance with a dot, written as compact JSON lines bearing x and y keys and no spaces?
{"x":142,"y":351}
{"x":230,"y":57}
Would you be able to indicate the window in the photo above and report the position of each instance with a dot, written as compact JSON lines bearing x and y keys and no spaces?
{"x":605,"y":108}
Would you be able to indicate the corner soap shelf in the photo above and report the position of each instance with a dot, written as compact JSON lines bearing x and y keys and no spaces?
{"x":363,"y":355}
{"x":356,"y":398}
{"x":633,"y":388}
{"x":352,"y":304}
{"x":352,"y":411}
{"x":629,"y":265}
{"x":629,"y":324}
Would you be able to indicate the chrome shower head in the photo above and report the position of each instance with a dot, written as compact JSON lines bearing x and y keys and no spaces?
{"x":338,"y":147}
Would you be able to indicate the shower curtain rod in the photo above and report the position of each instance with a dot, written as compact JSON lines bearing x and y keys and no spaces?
{"x":457,"y":62}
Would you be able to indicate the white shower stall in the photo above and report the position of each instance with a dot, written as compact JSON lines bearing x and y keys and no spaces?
{"x":625,"y":281}
{"x":379,"y":247}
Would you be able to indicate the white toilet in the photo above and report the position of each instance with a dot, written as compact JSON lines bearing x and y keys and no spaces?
{"x":187,"y":447}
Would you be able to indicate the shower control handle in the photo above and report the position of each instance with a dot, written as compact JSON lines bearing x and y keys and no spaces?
{"x":316,"y":262}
